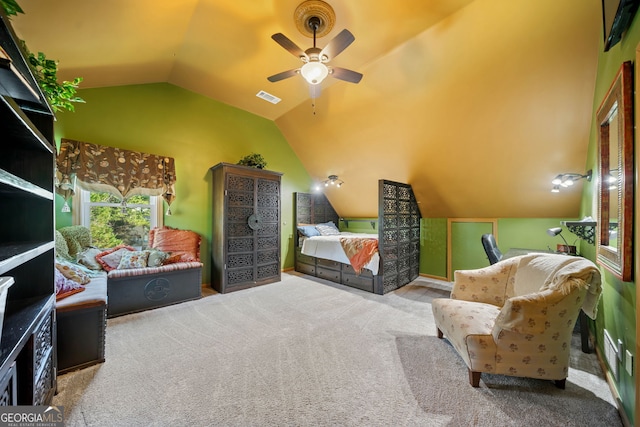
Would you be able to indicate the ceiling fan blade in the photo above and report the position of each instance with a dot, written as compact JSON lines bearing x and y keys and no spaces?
{"x":346,"y":75}
{"x":337,"y":44}
{"x":286,"y":43}
{"x":283,"y":75}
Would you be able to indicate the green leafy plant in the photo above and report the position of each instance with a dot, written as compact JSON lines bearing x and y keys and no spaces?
{"x":254,"y":160}
{"x":61,"y":96}
{"x":11,"y":7}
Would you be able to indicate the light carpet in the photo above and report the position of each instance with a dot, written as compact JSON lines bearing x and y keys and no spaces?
{"x":306,"y":352}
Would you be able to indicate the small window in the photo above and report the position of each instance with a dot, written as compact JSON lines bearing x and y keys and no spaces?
{"x":113,"y":222}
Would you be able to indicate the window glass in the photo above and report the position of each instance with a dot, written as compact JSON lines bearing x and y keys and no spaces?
{"x":113,"y":223}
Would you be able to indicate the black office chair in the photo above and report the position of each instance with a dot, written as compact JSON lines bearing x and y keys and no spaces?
{"x":491,"y":248}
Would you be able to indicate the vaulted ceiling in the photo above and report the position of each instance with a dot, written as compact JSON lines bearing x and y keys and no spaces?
{"x":476,"y":103}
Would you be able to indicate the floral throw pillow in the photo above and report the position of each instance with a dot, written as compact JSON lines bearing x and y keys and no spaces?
{"x":110,"y":259}
{"x":73,"y":272}
{"x":133,"y":259}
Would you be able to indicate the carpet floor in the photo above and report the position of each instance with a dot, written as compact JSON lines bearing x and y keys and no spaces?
{"x":307,"y":352}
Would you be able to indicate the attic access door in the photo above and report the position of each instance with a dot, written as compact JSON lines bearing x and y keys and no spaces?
{"x":464,"y":244}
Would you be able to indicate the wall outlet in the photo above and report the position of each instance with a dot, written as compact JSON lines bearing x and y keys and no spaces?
{"x":628,"y":362}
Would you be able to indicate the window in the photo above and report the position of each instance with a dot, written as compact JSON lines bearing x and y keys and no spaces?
{"x":113,"y":223}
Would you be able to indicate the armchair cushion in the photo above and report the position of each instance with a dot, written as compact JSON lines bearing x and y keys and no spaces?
{"x":491,"y":285}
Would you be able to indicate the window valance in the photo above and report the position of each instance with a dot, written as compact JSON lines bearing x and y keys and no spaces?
{"x":123,"y":173}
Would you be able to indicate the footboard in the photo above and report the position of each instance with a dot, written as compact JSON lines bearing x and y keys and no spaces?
{"x":136,"y":290}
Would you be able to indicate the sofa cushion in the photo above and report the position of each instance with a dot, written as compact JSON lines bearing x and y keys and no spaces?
{"x":88,"y":258}
{"x":77,"y":237}
{"x":156,"y":257}
{"x":110,"y":259}
{"x":185,"y":243}
{"x":73,"y":272}
{"x":133,"y":259}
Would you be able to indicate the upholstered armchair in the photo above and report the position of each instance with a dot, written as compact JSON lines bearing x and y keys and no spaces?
{"x":516,"y":317}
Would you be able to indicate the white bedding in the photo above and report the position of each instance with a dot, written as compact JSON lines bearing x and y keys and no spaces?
{"x":328,"y":247}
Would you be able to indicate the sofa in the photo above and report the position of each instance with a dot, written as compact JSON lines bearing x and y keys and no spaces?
{"x":94,"y":284}
{"x":516,"y":317}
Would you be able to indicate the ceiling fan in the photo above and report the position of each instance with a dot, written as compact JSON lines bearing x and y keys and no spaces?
{"x":314,"y":70}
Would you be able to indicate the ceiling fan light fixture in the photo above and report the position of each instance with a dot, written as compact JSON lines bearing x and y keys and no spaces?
{"x":314,"y":72}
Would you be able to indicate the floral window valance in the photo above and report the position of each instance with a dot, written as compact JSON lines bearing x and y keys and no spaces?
{"x":123,"y":173}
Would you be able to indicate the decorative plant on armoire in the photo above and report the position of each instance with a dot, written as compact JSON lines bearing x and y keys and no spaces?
{"x":61,"y":96}
{"x":253,"y":160}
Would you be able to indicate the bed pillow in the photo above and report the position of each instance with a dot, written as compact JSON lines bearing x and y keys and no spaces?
{"x":308,"y":230}
{"x":110,"y":259}
{"x":328,"y":229}
{"x":133,"y":259}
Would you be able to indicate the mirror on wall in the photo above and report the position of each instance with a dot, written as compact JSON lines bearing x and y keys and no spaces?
{"x":615,"y":184}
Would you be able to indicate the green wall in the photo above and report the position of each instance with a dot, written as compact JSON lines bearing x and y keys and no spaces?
{"x":199,"y":133}
{"x":617,"y":310}
{"x":529,"y":233}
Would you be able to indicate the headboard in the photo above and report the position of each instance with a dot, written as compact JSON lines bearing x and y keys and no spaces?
{"x":314,"y":209}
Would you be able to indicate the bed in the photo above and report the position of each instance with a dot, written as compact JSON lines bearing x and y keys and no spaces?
{"x":396,"y":261}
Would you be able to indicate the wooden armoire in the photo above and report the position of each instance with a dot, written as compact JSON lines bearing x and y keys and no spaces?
{"x":245,"y":241}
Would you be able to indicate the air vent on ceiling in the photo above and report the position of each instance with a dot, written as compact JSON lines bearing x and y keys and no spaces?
{"x":268,"y":97}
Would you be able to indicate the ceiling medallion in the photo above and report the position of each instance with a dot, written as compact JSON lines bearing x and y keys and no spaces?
{"x":310,"y":9}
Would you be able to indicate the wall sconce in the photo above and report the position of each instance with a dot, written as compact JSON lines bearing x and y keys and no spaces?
{"x":568,"y":179}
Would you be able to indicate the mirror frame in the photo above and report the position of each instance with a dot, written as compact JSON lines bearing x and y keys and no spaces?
{"x":618,"y":259}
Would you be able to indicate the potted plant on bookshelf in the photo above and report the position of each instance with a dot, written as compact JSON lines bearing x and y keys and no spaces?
{"x":61,"y":96}
{"x":253,"y":160}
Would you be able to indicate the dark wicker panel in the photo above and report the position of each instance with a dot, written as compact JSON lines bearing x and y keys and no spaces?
{"x":268,"y":215}
{"x":390,"y":221}
{"x":265,"y":257}
{"x":268,"y":186}
{"x":239,"y":214}
{"x":269,"y":229}
{"x":267,"y":271}
{"x":404,"y":220}
{"x":314,"y":209}
{"x":404,"y":251}
{"x":239,"y":230}
{"x":240,"y":183}
{"x":390,"y":190}
{"x":240,"y":245}
{"x":404,"y":235}
{"x":390,"y":237}
{"x":268,"y":200}
{"x":239,"y":260}
{"x":239,"y":276}
{"x":237,"y":198}
{"x":390,"y":206}
{"x":404,"y":193}
{"x":268,"y":243}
